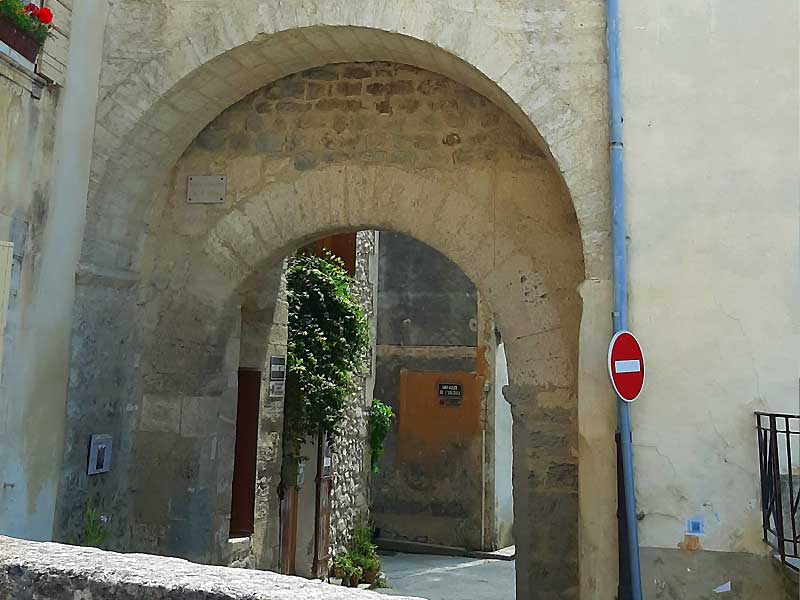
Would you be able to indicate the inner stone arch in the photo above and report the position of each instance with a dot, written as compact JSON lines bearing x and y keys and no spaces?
{"x":339,"y":148}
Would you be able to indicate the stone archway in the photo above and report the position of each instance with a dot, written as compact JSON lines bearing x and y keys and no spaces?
{"x":146,"y":120}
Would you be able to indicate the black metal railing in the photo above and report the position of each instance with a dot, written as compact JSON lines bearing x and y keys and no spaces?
{"x":778,"y":438}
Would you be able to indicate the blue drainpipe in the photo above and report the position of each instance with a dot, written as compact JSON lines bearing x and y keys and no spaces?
{"x":621,"y":281}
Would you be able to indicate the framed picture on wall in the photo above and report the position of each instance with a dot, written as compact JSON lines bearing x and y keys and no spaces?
{"x":100,"y":447}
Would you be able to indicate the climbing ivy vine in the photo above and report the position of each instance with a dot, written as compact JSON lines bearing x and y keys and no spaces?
{"x":328,"y":339}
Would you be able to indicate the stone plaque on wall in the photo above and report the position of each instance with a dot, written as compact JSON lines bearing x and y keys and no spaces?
{"x":206,"y":189}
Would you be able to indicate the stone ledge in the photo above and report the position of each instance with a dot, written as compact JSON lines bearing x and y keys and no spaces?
{"x":48,"y":571}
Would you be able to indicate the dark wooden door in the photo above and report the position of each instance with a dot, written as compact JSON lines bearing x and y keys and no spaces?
{"x":341,"y":245}
{"x":322,"y":520}
{"x":243,"y":496}
{"x":288,"y":518}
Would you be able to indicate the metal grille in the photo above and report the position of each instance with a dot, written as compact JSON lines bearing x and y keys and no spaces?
{"x":778,"y":438}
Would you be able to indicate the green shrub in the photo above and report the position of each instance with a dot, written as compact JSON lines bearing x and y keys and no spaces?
{"x":380,"y":420}
{"x":328,"y":341}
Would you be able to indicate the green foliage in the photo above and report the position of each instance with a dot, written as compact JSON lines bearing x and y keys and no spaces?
{"x":380,"y":420}
{"x":344,"y":566}
{"x":13,"y":11}
{"x":363,"y":552}
{"x":328,"y":339}
{"x":342,"y":562}
{"x":362,"y":542}
{"x":94,"y":533}
{"x":368,"y":563}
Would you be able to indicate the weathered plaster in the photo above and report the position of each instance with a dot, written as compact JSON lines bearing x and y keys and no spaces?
{"x":44,"y":167}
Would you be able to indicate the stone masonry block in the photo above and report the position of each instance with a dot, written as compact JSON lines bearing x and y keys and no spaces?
{"x":356,"y":72}
{"x":392,"y":88}
{"x":348,"y":88}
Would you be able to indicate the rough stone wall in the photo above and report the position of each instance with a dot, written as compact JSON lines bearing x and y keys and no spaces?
{"x":398,"y":149}
{"x":350,"y":502}
{"x":46,"y":571}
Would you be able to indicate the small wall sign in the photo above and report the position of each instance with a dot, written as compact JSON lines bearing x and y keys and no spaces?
{"x":277,"y":376}
{"x":450,"y":394}
{"x":206,"y":189}
{"x":100,"y":447}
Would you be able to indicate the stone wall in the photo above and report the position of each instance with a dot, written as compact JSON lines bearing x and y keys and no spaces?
{"x":351,"y":463}
{"x":46,"y":571}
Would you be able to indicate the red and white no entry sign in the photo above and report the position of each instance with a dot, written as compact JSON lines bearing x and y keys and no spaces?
{"x":626,"y":365}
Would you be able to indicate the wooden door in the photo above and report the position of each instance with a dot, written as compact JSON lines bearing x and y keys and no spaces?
{"x":341,"y":245}
{"x":243,"y":495}
{"x":322,"y":517}
{"x":288,"y":518}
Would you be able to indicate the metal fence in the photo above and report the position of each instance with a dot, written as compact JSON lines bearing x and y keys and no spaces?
{"x":778,"y":451}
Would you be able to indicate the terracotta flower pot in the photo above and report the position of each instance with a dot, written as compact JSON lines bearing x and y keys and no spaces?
{"x":354,"y":581}
{"x":19,"y":40}
{"x":369,"y":576}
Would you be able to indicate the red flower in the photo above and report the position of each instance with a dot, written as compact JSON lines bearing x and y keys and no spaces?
{"x":45,"y":15}
{"x":31,"y":8}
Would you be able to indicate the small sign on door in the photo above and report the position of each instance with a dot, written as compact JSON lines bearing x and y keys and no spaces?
{"x":277,"y":376}
{"x":450,"y":394}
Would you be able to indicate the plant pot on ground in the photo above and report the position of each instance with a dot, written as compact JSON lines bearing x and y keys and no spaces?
{"x":354,"y":579}
{"x":371,"y":566}
{"x":351,"y":576}
{"x":341,"y":563}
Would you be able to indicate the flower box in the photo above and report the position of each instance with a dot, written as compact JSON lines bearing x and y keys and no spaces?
{"x":24,"y":27}
{"x":19,"y":40}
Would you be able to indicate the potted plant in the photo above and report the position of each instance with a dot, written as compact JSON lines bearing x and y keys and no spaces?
{"x":371,"y":566}
{"x":351,"y":574}
{"x":341,"y":563}
{"x":24,"y":27}
{"x":364,"y":553}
